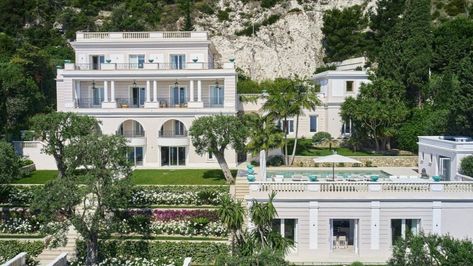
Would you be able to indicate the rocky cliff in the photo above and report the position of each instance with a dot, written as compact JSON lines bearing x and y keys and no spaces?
{"x":283,"y":40}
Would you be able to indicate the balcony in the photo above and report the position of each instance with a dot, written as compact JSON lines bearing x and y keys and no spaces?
{"x":145,"y":66}
{"x":142,"y":36}
{"x":172,"y":134}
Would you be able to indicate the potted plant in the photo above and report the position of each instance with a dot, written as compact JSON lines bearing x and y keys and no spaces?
{"x":251,"y":178}
{"x":108,"y":61}
{"x":313,"y":178}
{"x":436,"y":178}
{"x":374,"y":178}
{"x":232,"y":60}
{"x":151,"y":60}
{"x":195,"y":60}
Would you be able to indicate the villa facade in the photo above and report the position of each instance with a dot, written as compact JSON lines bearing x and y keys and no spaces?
{"x":335,"y":87}
{"x":149,"y":87}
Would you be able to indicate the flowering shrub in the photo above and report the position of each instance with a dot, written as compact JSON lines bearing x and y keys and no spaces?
{"x":10,"y":248}
{"x":18,"y":221}
{"x":178,"y":195}
{"x":17,"y":195}
{"x":129,"y":261}
{"x":202,"y":253}
{"x":170,"y":222}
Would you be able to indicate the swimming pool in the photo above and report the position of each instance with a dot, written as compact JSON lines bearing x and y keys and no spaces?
{"x":328,"y":174}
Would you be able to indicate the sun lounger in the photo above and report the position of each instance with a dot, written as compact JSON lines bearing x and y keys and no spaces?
{"x":297,"y":178}
{"x":278,"y":178}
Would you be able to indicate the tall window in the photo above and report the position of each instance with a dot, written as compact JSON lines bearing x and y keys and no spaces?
{"x":346,"y":127}
{"x":401,"y":227}
{"x":286,"y":227}
{"x":216,"y":95}
{"x":97,"y":95}
{"x":178,"y":61}
{"x":287,"y":126}
{"x":178,"y":95}
{"x":97,"y":60}
{"x":349,"y":85}
{"x":136,"y":60}
{"x":313,"y":123}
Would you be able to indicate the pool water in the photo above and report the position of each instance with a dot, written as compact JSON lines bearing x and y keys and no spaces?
{"x":327,"y":174}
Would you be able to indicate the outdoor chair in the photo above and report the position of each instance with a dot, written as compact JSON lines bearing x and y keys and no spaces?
{"x":342,"y":242}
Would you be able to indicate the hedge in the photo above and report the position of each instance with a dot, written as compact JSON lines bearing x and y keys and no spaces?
{"x":201,"y":252}
{"x":17,"y":195}
{"x":11,"y":248}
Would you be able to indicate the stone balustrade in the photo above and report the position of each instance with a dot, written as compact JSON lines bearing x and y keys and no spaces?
{"x":349,"y":187}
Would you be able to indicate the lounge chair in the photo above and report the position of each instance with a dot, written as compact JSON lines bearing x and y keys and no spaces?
{"x":278,"y":178}
{"x":297,"y":178}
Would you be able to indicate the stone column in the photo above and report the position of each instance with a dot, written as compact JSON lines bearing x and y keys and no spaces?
{"x":112,"y":91}
{"x":148,"y":91}
{"x":155,"y":91}
{"x":191,"y":90}
{"x":105,"y":91}
{"x":199,"y":90}
{"x":375,"y":221}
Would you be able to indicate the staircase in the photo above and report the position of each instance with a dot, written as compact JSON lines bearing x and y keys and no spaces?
{"x":48,"y":255}
{"x":241,"y":188}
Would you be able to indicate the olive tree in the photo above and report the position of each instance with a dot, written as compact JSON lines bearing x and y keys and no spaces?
{"x":60,"y":129}
{"x":87,"y":200}
{"x":215,"y":134}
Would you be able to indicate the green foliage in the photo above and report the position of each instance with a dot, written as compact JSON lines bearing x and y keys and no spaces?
{"x":12,"y":195}
{"x":356,"y":263}
{"x":203,"y":253}
{"x":324,"y":68}
{"x":431,"y":250}
{"x":466,"y":166}
{"x":343,"y":33}
{"x":186,"y":7}
{"x":214,"y":134}
{"x":248,"y":86}
{"x":455,"y":7}
{"x":254,"y":28}
{"x":275,"y":160}
{"x":61,"y":132}
{"x":11,"y":248}
{"x":377,"y":112}
{"x":269,"y":3}
{"x":321,"y":137}
{"x":262,"y":133}
{"x":9,"y":163}
{"x":224,"y":15}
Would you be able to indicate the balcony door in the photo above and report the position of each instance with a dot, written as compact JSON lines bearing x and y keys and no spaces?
{"x":173,"y":156}
{"x":97,"y":60}
{"x":445,"y":165}
{"x":97,"y":96}
{"x":136,"y":61}
{"x":178,"y":95}
{"x":138,"y":96}
{"x":216,"y":95}
{"x":135,"y":155}
{"x":178,"y":61}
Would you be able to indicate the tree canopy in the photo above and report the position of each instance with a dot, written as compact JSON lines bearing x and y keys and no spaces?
{"x":9,"y":163}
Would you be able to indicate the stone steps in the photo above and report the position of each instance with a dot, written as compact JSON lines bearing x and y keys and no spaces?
{"x":48,"y":255}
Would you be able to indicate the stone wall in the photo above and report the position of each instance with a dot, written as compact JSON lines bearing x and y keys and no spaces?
{"x":367,"y":161}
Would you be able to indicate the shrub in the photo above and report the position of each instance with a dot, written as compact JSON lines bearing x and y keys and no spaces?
{"x":466,"y":166}
{"x":205,"y":8}
{"x":275,"y":160}
{"x":17,"y":195}
{"x":9,"y":163}
{"x":175,"y":252}
{"x":223,"y":15}
{"x":356,"y":263}
{"x":269,"y":3}
{"x":321,"y":137}
{"x":10,"y":248}
{"x":369,"y":164}
{"x":321,"y":69}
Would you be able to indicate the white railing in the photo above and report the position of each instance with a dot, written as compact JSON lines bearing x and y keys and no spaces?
{"x":387,"y":187}
{"x":176,"y":34}
{"x":96,"y":35}
{"x":135,"y":35}
{"x":18,"y":260}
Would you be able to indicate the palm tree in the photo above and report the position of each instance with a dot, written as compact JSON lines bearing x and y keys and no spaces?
{"x":278,"y":104}
{"x":305,"y":99}
{"x":232,"y":215}
{"x":263,"y":134}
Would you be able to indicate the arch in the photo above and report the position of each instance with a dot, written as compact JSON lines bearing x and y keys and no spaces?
{"x":131,"y":128}
{"x":173,"y":128}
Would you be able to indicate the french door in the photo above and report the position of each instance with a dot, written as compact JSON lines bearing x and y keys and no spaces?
{"x":136,"y":61}
{"x":135,"y":155}
{"x":97,"y":96}
{"x":216,"y":98}
{"x":178,"y":61}
{"x":173,"y":156}
{"x":138,"y":96}
{"x":97,"y":60}
{"x":444,"y":168}
{"x":178,"y":95}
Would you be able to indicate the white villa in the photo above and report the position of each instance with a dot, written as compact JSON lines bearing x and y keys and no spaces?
{"x":442,"y":155}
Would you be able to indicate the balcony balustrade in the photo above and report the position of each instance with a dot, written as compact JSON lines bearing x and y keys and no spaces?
{"x":142,"y":66}
{"x":131,"y":133}
{"x":172,"y":134}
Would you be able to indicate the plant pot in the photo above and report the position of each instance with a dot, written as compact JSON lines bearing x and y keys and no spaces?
{"x":151,"y":60}
{"x":195,"y":60}
{"x":313,"y":178}
{"x":251,"y":171}
{"x":374,"y":178}
{"x":231,"y":60}
{"x":251,"y":178}
{"x":108,"y":61}
{"x":436,"y":178}
{"x":249,"y":166}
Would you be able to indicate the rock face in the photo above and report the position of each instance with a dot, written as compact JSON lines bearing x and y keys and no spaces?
{"x":291,"y":45}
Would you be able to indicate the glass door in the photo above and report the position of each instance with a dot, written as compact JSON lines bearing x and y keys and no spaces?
{"x":173,"y":156}
{"x":179,"y":95}
{"x":97,"y":60}
{"x":135,"y":155}
{"x":138,"y":96}
{"x":178,"y":61}
{"x":445,"y":167}
{"x":136,"y":60}
{"x":216,"y":98}
{"x":97,"y":96}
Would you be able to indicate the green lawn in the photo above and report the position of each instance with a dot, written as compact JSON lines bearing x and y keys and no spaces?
{"x":148,"y":177}
{"x":37,"y":177}
{"x":305,"y":148}
{"x":179,"y":177}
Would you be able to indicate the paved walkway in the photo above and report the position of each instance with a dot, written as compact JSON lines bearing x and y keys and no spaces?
{"x":48,"y":255}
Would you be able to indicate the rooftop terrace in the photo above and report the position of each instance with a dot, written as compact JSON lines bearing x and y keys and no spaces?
{"x":141,"y":36}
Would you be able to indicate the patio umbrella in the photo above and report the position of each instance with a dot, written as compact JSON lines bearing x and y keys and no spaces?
{"x":335,"y":158}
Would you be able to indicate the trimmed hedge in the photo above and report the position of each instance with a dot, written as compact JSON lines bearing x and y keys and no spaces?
{"x":11,"y":248}
{"x":201,"y":252}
